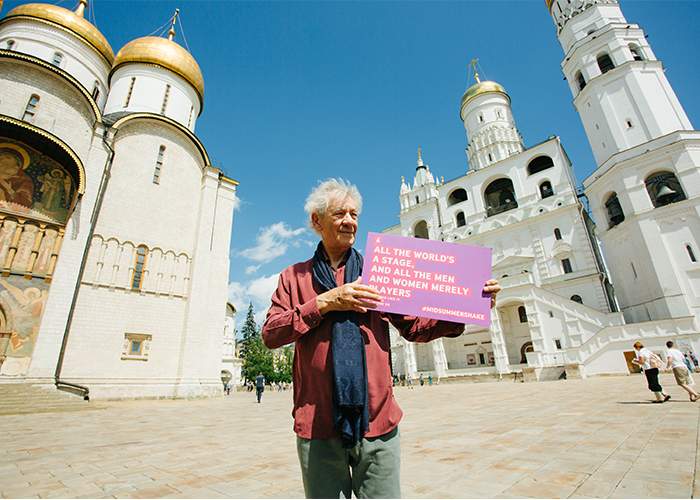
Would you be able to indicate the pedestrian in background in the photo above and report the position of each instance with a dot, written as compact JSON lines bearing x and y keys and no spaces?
{"x":676,"y":361}
{"x":259,"y":386}
{"x":650,"y":363}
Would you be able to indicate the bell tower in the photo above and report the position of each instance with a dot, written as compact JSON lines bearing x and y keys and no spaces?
{"x":645,"y":193}
{"x":619,"y":86}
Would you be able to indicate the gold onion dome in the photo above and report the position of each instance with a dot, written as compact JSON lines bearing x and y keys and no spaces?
{"x":481,"y":88}
{"x":165,"y":53}
{"x":72,"y":21}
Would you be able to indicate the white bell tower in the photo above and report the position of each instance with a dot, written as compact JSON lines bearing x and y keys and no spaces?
{"x":489,"y":123}
{"x":645,"y":193}
{"x":619,"y":86}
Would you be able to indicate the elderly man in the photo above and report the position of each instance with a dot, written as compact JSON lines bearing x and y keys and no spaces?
{"x":345,"y":415}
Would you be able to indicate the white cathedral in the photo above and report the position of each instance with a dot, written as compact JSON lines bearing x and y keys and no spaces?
{"x":576,"y":294}
{"x":114,"y":224}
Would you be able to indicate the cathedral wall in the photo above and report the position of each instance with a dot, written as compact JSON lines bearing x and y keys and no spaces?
{"x":135,"y":208}
{"x":62,"y":109}
{"x":42,"y":40}
{"x":97,"y":354}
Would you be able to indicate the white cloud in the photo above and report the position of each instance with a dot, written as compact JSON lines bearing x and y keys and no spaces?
{"x":272,"y":241}
{"x":258,"y":292}
{"x":251,"y":269}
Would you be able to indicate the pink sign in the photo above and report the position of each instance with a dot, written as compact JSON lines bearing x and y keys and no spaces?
{"x":429,"y":279}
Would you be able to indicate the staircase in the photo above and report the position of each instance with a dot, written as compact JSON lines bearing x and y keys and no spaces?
{"x":18,"y":398}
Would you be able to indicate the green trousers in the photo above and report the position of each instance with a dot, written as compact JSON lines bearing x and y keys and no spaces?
{"x":371,"y":469}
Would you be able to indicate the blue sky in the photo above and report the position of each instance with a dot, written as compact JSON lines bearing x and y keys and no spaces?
{"x":298,"y":92}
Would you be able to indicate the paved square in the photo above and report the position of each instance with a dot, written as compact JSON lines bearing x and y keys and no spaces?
{"x":593,"y":438}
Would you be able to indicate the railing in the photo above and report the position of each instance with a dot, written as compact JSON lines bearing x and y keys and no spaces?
{"x":504,"y":207}
{"x":517,"y":280}
{"x":628,"y":334}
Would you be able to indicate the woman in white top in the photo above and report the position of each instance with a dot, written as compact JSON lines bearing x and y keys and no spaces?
{"x":650,"y":363}
{"x":676,"y":361}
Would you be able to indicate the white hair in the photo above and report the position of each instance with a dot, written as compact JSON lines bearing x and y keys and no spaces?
{"x":320,"y":196}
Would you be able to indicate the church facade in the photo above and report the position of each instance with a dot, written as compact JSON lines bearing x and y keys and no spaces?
{"x":576,"y":294}
{"x":114,"y":224}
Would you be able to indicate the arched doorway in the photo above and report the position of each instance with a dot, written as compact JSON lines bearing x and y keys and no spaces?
{"x":526,"y":347}
{"x":515,"y":325}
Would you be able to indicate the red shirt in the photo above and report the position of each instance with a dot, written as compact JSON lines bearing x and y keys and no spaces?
{"x":294,"y":317}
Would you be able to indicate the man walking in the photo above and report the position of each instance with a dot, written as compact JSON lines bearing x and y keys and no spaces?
{"x":345,"y":415}
{"x":676,"y":361}
{"x":259,"y":386}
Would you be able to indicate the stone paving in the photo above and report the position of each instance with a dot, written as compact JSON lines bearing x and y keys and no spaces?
{"x":581,"y":438}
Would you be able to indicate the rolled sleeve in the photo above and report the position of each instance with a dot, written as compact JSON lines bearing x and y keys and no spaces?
{"x":424,"y":330}
{"x":287,"y":320}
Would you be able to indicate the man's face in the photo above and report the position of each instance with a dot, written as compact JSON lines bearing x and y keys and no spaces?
{"x":338,"y":225}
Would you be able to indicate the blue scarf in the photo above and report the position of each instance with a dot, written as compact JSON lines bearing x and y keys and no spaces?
{"x":350,"y":408}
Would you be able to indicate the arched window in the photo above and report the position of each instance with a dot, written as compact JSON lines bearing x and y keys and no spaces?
{"x":139,"y":267}
{"x":557,"y":233}
{"x":577,"y":298}
{"x":566,"y":266}
{"x":57,"y":58}
{"x":461,"y":221}
{"x":131,"y":90}
{"x":614,"y":211}
{"x":159,"y":165}
{"x":580,"y":81}
{"x":189,"y":118}
{"x":691,"y":254}
{"x":664,"y":189}
{"x":636,"y":52}
{"x":522,"y":314}
{"x":96,"y":90}
{"x":499,"y":197}
{"x":420,"y":230}
{"x":456,"y":196}
{"x":31,"y":108}
{"x":539,"y":164}
{"x":166,"y":96}
{"x":9,"y":45}
{"x":605,"y":63}
{"x":546,"y":189}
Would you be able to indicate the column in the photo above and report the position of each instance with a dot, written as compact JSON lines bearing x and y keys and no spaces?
{"x":500,"y":354}
{"x":439,"y":358}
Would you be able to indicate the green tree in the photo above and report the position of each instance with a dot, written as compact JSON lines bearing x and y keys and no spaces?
{"x":283,"y":364}
{"x":258,"y":359}
{"x":249,"y":331}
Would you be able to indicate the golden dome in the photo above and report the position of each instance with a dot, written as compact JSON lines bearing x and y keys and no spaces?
{"x":480,"y":88}
{"x":72,"y":21}
{"x":165,"y":53}
{"x":549,"y":4}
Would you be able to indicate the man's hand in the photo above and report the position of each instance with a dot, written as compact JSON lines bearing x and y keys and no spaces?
{"x":348,"y":297}
{"x":492,"y":287}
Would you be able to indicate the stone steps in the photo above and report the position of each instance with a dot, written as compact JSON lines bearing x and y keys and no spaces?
{"x":20,"y":398}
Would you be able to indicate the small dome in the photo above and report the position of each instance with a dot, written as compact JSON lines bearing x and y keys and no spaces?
{"x":72,"y":21}
{"x":481,"y":88}
{"x":165,"y":53}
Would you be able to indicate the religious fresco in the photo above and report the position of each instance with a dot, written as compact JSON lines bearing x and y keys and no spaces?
{"x":21,"y":305}
{"x":34,"y":185}
{"x":37,"y":195}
